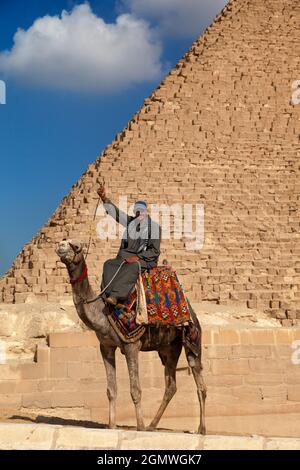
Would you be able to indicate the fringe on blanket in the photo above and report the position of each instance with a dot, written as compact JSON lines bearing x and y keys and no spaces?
{"x":141,"y":307}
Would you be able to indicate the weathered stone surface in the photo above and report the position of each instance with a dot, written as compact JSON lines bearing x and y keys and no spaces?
{"x":74,"y":339}
{"x":26,"y":436}
{"x":282,"y":444}
{"x":18,"y":436}
{"x":146,"y":440}
{"x":7,"y":323}
{"x":233,"y":443}
{"x":76,"y":438}
{"x":252,"y":389}
{"x":34,"y":320}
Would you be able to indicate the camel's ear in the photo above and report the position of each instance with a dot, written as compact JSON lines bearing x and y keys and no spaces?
{"x":75,"y":245}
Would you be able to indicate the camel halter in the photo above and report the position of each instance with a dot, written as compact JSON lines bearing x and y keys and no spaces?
{"x":81,"y":278}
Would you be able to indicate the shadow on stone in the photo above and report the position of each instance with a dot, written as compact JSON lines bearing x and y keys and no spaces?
{"x":59,"y":421}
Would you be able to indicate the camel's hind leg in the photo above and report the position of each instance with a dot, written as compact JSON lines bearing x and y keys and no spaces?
{"x":169,"y":356}
{"x":196,"y":366}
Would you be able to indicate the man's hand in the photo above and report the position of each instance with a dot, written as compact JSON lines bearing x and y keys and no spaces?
{"x":132,"y":259}
{"x":101,"y":191}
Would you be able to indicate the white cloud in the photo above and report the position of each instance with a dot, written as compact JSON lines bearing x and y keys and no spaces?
{"x":177,"y":17}
{"x":79,"y":51}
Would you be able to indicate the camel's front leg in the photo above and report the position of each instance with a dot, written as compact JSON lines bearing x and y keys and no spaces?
{"x":109,"y":359}
{"x":131,"y":354}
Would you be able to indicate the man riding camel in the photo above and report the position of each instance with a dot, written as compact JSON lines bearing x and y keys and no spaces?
{"x":139,"y":249}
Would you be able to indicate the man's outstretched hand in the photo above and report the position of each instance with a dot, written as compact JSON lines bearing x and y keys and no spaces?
{"x":101,"y":191}
{"x":132,"y":259}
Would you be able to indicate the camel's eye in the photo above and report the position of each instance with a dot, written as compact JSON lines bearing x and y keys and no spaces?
{"x":76,"y":246}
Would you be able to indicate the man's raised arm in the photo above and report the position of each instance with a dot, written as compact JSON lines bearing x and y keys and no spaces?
{"x":111,"y":209}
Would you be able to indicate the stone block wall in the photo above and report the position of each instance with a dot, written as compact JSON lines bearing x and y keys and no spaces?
{"x":249,"y":373}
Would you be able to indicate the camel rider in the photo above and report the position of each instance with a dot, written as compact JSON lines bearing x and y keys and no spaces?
{"x":140,"y":245}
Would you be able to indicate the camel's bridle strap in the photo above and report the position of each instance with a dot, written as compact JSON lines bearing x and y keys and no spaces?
{"x":81,"y":278}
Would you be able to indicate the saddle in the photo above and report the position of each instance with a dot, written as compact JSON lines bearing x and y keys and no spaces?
{"x":157,"y":300}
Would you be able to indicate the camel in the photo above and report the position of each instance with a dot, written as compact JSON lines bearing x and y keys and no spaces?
{"x":167,"y":342}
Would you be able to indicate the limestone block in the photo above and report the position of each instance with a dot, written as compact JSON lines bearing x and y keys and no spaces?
{"x":282,"y":444}
{"x":72,"y":438}
{"x":171,"y":441}
{"x":233,"y":443}
{"x":26,"y":436}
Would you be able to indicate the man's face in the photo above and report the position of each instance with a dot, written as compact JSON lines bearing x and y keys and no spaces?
{"x":142,"y":214}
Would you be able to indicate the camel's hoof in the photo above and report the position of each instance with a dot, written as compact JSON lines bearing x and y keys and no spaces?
{"x":202,"y":430}
{"x":141,"y":428}
{"x":150,"y":428}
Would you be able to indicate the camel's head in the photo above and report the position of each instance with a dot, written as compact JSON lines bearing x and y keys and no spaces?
{"x":70,"y":253}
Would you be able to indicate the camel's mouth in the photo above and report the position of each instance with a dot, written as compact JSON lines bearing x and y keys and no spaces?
{"x":62,"y":252}
{"x":68,"y":248}
{"x":63,"y":248}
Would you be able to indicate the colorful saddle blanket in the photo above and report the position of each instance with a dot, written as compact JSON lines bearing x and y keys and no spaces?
{"x":166,"y":305}
{"x":165,"y":299}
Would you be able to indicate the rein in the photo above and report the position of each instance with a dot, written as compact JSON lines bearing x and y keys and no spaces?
{"x":84,"y":276}
{"x":90,"y":237}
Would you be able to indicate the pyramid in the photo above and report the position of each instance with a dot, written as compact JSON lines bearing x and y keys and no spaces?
{"x":223,"y":130}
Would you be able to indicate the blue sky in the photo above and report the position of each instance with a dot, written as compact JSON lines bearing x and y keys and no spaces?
{"x":73,"y":81}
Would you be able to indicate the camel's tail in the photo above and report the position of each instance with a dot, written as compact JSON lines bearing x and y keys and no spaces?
{"x":194,"y":352}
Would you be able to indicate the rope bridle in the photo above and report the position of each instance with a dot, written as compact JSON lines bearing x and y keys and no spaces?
{"x":90,"y":237}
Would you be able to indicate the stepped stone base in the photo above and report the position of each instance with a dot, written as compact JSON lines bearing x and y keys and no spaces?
{"x":251,"y":378}
{"x":46,"y":437}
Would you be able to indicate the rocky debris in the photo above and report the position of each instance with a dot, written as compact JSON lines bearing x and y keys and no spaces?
{"x":24,"y":326}
{"x":232,"y":316}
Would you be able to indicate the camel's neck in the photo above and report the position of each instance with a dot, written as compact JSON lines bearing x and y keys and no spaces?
{"x":82,"y":290}
{"x":90,"y":313}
